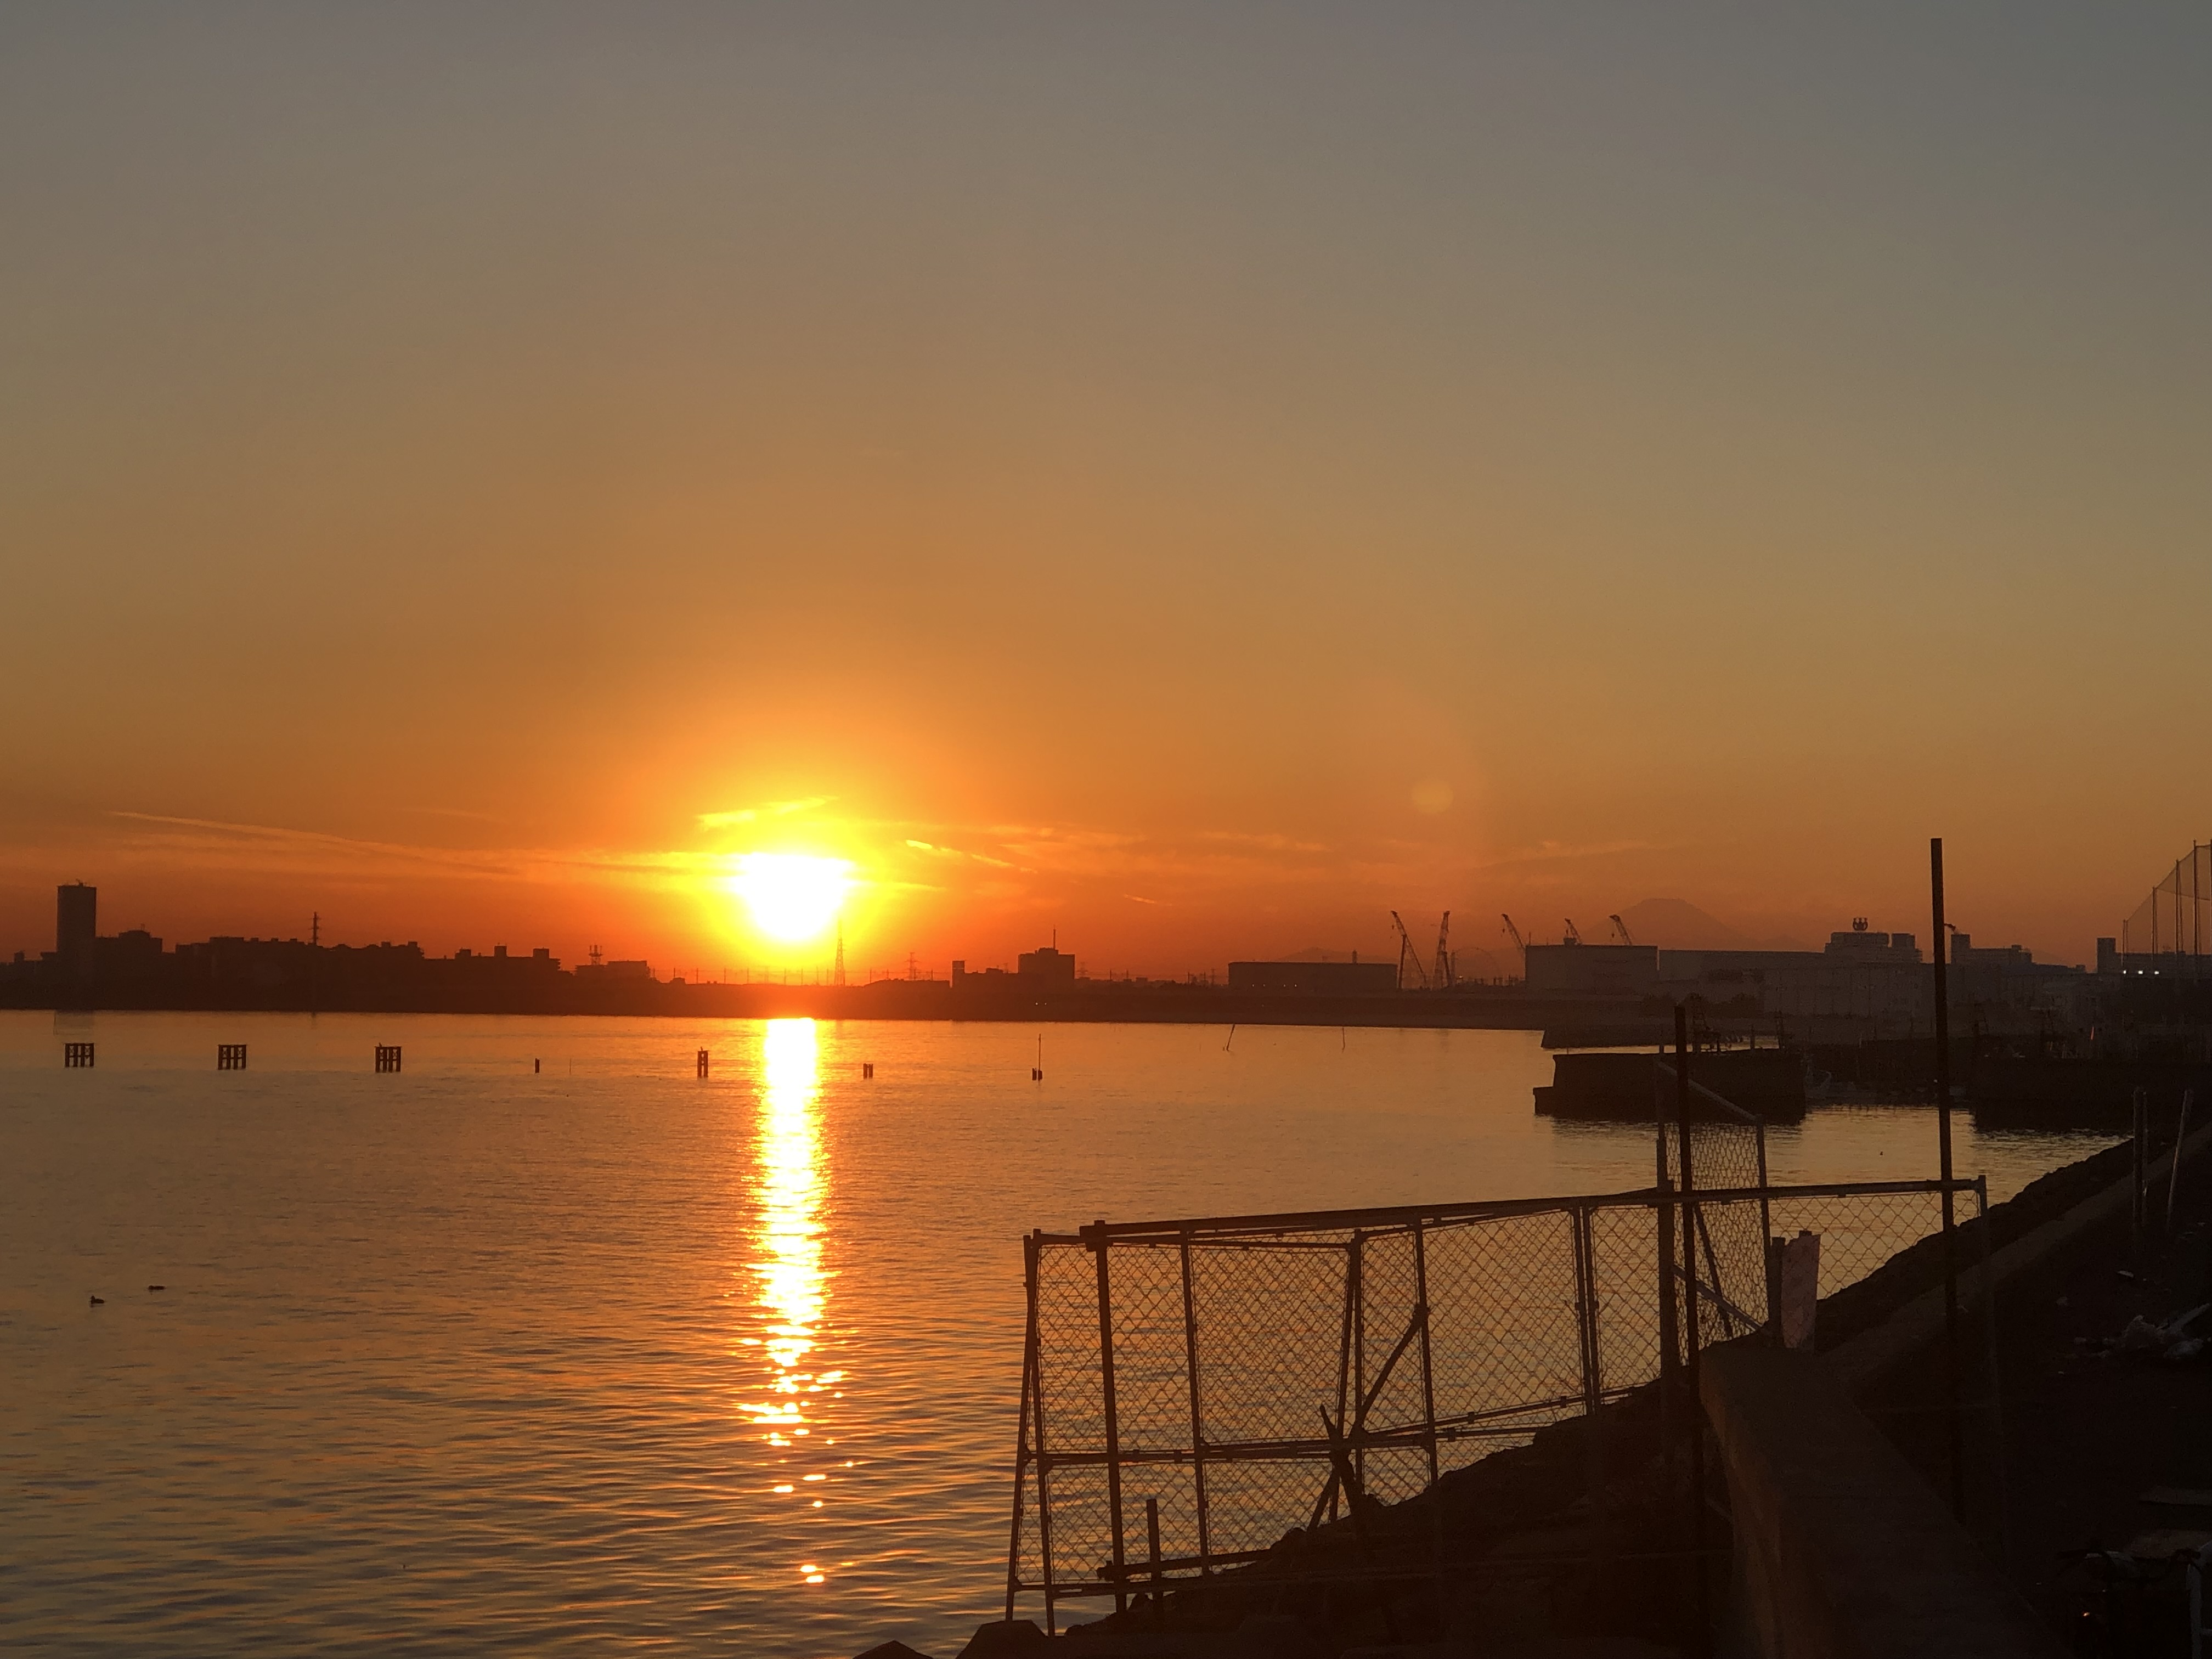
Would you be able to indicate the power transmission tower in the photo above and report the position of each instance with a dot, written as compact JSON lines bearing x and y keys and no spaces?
{"x":840,"y":952}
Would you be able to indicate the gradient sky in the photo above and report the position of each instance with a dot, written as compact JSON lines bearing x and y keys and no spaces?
{"x":1196,"y":478}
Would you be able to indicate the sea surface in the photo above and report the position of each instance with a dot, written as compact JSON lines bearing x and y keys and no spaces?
{"x":545,"y":1344}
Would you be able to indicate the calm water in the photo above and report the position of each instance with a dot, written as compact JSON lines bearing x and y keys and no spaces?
{"x":604,"y":1356}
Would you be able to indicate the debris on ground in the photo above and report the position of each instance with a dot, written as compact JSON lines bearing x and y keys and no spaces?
{"x":2143,"y":1340}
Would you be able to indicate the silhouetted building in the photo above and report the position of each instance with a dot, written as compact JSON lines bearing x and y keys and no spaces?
{"x":1592,"y":970}
{"x":77,"y":929}
{"x":1046,"y":969}
{"x":1315,"y":978}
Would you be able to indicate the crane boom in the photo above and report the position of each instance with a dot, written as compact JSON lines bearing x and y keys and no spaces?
{"x":1407,"y":955}
{"x":1620,"y":927}
{"x":1514,"y":933}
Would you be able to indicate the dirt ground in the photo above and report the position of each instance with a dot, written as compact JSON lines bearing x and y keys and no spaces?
{"x":2083,"y":1429}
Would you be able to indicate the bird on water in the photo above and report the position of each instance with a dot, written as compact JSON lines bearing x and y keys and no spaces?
{"x":99,"y":1301}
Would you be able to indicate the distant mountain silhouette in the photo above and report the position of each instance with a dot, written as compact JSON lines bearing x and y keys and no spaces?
{"x":1677,"y":925}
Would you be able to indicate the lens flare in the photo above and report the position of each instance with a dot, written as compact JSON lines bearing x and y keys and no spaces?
{"x":792,"y":896}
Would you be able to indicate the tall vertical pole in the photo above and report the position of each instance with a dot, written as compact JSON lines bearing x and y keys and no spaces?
{"x":1098,"y":1246}
{"x":1030,"y":1253}
{"x":1197,"y":1412}
{"x":1669,"y":1346}
{"x":1940,"y":956}
{"x":1696,"y":1413}
{"x":1022,"y":1432}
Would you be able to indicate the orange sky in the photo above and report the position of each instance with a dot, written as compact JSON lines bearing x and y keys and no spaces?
{"x":1195,"y":484}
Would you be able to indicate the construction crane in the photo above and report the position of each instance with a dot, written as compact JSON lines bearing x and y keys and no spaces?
{"x":1572,"y":938}
{"x":1519,"y":944}
{"x":1407,"y":955}
{"x":1444,"y":976}
{"x":1621,"y":928}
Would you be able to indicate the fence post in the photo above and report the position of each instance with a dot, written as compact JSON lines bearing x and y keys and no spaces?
{"x":1197,"y":1415}
{"x":1766,"y":1236}
{"x":1356,"y":1317}
{"x":1099,"y":1246}
{"x":2180,"y":1135}
{"x":1689,"y":1332}
{"x":1669,"y":1358}
{"x":1993,"y":1429}
{"x":1428,"y":1370}
{"x":1030,"y":1256}
{"x":1429,"y":1411}
{"x":1579,"y":1221}
{"x":1941,"y":957}
{"x":1022,"y":1432}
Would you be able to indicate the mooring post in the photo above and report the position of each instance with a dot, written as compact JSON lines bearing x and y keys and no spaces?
{"x":1098,"y":1246}
{"x":1942,"y":957}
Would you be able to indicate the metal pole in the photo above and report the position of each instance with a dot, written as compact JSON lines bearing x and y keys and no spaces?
{"x":1766,"y":1235}
{"x":2139,"y":1127}
{"x":1197,"y":1415}
{"x":1099,"y":1246}
{"x":1428,"y":1369}
{"x":1696,"y":1414}
{"x":1669,"y":1360}
{"x":1043,"y":1463}
{"x":2000,"y":1527}
{"x":2180,"y":1135}
{"x":1429,"y":1409}
{"x":1579,"y":1223}
{"x":1943,"y":1156}
{"x":1358,"y":1353}
{"x":1022,"y":1432}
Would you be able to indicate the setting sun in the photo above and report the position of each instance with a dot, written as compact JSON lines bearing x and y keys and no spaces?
{"x":792,"y":896}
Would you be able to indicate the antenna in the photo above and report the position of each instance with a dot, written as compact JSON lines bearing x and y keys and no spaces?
{"x":841,"y":951}
{"x":315,"y":929}
{"x":1443,"y":973}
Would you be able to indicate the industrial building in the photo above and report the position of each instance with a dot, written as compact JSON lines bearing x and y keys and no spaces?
{"x":1353,"y":978}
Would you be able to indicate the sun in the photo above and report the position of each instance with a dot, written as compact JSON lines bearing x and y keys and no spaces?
{"x":792,"y":896}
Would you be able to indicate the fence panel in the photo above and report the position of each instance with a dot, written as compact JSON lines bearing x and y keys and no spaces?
{"x":1262,"y":1370}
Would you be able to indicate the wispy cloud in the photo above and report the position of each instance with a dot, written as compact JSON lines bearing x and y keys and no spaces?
{"x":936,"y":851}
{"x":215,"y":843}
{"x":767,"y":809}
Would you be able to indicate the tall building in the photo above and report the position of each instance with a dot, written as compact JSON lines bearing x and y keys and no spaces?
{"x":77,"y":925}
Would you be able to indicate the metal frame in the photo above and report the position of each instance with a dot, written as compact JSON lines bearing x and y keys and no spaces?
{"x":1340,"y":1449}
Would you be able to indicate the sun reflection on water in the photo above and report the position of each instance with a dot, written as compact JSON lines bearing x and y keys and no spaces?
{"x":787,"y":1262}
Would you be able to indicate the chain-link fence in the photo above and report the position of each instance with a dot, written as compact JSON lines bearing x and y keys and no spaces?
{"x":1194,"y":1390}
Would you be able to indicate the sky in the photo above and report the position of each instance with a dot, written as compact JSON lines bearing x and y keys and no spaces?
{"x":1195,"y":479}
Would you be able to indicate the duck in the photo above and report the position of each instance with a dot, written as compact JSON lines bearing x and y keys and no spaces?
{"x":99,"y":1301}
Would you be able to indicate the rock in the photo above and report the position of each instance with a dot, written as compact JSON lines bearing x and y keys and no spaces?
{"x":1007,"y":1638}
{"x":2142,"y":1337}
